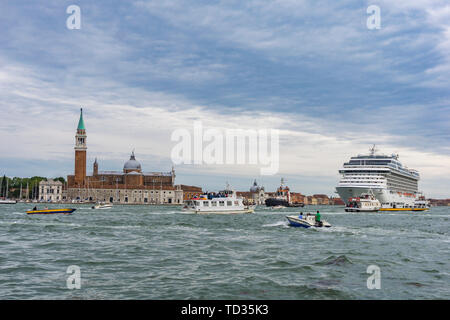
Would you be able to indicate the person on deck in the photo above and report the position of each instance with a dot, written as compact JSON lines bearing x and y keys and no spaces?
{"x":318,"y":216}
{"x":318,"y":222}
{"x":300,"y":216}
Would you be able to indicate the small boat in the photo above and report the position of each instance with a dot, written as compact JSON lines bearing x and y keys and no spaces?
{"x":364,"y":203}
{"x":7,"y":201}
{"x":307,"y":221}
{"x":51,"y":211}
{"x":102,"y":205}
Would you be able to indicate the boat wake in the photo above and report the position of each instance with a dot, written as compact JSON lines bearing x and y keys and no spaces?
{"x":277,"y":224}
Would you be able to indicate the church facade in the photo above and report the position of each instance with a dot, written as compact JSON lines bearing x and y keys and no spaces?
{"x":129,"y":186}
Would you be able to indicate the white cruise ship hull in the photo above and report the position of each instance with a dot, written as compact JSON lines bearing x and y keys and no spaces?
{"x":382,"y":195}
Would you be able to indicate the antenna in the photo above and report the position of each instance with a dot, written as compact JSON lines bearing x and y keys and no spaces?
{"x":373,"y":150}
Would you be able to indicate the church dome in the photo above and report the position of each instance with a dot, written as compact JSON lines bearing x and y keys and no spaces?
{"x":132,"y":164}
{"x":255,"y":187}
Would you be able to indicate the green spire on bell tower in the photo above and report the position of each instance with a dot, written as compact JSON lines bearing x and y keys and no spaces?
{"x":81,"y":122}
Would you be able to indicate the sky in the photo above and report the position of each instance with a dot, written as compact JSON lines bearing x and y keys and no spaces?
{"x":310,"y":69}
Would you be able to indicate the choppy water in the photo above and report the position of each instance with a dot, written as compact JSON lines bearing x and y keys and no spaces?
{"x":147,"y":252}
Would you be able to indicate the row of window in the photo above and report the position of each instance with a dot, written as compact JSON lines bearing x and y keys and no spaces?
{"x":214,"y":203}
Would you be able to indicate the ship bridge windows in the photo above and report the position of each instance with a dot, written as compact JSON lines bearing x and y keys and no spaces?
{"x":368,"y":162}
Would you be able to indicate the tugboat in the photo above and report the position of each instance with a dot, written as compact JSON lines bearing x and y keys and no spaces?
{"x":282,"y":198}
{"x":223,"y":202}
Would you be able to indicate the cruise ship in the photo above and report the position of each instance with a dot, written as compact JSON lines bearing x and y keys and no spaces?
{"x":394,"y":185}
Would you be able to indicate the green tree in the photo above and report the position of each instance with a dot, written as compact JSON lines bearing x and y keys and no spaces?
{"x":60,"y":179}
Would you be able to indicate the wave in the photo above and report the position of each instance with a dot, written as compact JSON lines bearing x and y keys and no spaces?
{"x":277,"y":224}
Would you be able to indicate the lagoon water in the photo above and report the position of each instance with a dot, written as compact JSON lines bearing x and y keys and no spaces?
{"x":159,"y":252}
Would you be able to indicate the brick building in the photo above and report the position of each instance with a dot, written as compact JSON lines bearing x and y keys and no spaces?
{"x":129,"y":186}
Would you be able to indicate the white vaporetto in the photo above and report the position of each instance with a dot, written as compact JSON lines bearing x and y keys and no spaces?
{"x":223,"y":202}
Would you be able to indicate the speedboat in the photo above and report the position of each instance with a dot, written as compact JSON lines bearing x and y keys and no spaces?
{"x":7,"y":201}
{"x":102,"y":205}
{"x":307,"y":221}
{"x":51,"y":211}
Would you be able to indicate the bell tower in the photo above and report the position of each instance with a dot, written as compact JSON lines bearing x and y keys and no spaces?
{"x":95,"y":171}
{"x":80,"y":152}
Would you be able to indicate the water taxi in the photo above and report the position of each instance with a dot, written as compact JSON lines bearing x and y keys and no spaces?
{"x":224,"y":202}
{"x":51,"y":211}
{"x":102,"y":205}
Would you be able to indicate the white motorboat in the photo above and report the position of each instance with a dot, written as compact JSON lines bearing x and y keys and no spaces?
{"x":102,"y":205}
{"x":365,"y":203}
{"x":7,"y":201}
{"x":224,"y":202}
{"x":307,"y":221}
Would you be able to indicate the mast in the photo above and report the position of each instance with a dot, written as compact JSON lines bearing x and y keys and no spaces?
{"x":373,"y":150}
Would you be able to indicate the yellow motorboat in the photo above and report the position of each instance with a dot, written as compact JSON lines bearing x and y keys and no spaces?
{"x":52,"y":211}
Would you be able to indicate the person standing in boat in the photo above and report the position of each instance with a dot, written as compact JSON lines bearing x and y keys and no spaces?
{"x":318,"y":216}
{"x":318,"y":219}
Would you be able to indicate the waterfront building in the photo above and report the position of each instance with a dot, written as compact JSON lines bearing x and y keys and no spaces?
{"x":130,"y":186}
{"x":297,"y":198}
{"x":190,"y":192}
{"x":312,"y":200}
{"x":50,"y":191}
{"x":255,"y":196}
{"x":322,"y":199}
{"x":337,"y":202}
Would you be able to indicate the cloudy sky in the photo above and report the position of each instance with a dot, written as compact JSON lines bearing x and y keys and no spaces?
{"x":311,"y":69}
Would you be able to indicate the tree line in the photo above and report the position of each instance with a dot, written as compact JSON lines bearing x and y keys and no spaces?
{"x":12,"y":186}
